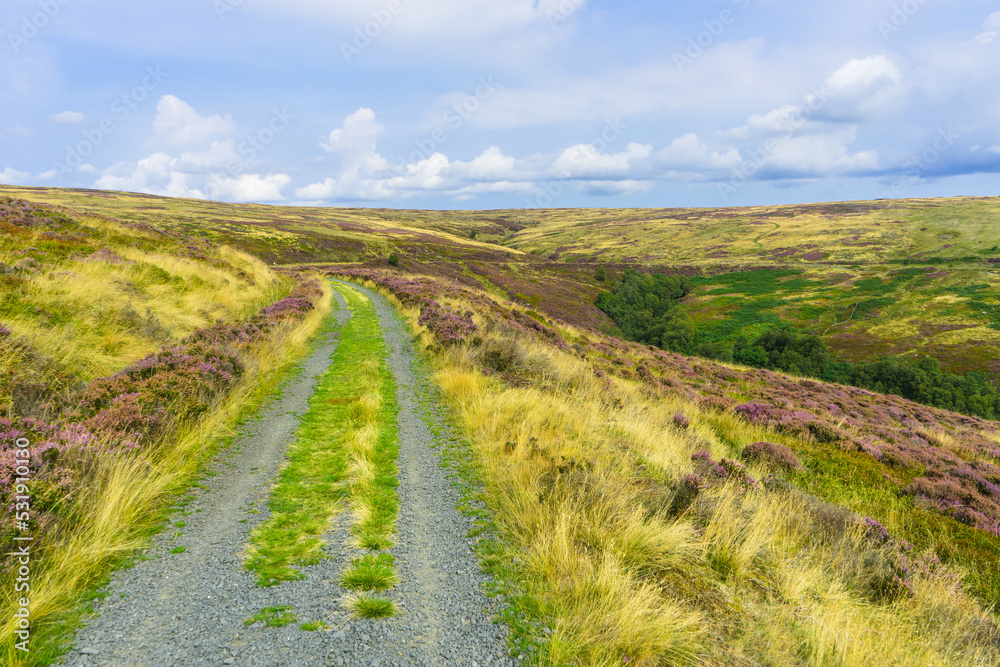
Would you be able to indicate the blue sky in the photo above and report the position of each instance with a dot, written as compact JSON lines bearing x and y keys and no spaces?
{"x":503,"y":103}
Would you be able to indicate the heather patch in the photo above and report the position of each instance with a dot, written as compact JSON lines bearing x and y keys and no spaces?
{"x":772,"y":454}
{"x":132,"y":410}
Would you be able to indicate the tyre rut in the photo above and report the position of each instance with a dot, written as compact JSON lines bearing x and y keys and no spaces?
{"x":189,"y":609}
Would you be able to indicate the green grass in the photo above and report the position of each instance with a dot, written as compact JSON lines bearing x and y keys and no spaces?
{"x":367,"y":606}
{"x":178,"y":550}
{"x":273,"y":617}
{"x":319,"y":479}
{"x":370,"y":573}
{"x":312,"y":626}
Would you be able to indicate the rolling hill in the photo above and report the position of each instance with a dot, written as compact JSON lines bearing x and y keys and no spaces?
{"x":637,"y":506}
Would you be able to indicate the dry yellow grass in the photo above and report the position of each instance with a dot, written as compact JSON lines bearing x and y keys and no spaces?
{"x":93,"y":317}
{"x":580,"y":475}
{"x":116,"y":510}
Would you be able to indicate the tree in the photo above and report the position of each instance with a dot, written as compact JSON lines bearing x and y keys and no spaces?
{"x":393,"y":259}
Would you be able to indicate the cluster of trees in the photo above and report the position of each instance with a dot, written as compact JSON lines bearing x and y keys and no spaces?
{"x":646,"y":309}
{"x":922,"y":381}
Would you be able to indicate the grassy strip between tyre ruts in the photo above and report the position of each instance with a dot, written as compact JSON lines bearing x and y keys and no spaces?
{"x":344,"y":454}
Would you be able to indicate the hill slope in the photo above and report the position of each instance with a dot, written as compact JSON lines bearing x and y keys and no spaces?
{"x":912,"y":277}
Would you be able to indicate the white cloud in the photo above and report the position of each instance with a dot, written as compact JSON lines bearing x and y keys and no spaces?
{"x":203,"y":175}
{"x":364,"y":175}
{"x":248,"y":187}
{"x":583,"y":160}
{"x":991,"y":27}
{"x":864,"y":89}
{"x":354,"y":143}
{"x":818,"y":155}
{"x":180,"y":123}
{"x":784,"y":119}
{"x":688,"y":152}
{"x":154,"y":175}
{"x":219,"y":157}
{"x":11,"y":176}
{"x":67,"y":118}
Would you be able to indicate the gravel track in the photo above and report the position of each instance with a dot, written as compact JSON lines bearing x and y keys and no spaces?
{"x":188,"y":609}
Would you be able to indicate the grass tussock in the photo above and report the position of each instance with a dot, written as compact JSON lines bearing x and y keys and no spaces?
{"x":371,"y":572}
{"x":371,"y":606}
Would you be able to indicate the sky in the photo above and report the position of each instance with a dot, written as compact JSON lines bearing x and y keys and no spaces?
{"x":484,"y":104}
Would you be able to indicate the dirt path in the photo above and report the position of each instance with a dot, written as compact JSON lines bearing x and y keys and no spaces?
{"x":840,"y":324}
{"x":446,"y":619}
{"x":189,"y":608}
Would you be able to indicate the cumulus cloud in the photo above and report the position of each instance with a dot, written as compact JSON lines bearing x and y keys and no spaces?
{"x":202,"y":175}
{"x":248,"y":187}
{"x":211,"y":168}
{"x":819,"y":155}
{"x":690,"y":153}
{"x":583,"y":160}
{"x":179,"y":123}
{"x":11,"y":176}
{"x":864,"y":89}
{"x":365,"y":175}
{"x":220,"y":156}
{"x":592,"y":169}
{"x":354,"y":143}
{"x":67,"y":118}
{"x":154,"y":174}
